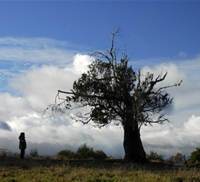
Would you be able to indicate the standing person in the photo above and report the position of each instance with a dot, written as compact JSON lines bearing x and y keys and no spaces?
{"x":22,"y":144}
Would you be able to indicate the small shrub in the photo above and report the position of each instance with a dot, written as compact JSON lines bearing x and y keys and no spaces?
{"x":65,"y":154}
{"x":154,"y":157}
{"x":179,"y":158}
{"x":172,"y":158}
{"x":3,"y":152}
{"x":169,"y":162}
{"x":34,"y":152}
{"x":85,"y":152}
{"x":100,"y":154}
{"x":195,"y":156}
{"x":16,"y":155}
{"x":110,"y":157}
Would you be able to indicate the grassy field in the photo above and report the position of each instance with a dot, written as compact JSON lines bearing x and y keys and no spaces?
{"x":46,"y":170}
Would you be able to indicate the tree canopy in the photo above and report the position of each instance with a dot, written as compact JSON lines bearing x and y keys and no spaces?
{"x":116,"y":93}
{"x":195,"y":157}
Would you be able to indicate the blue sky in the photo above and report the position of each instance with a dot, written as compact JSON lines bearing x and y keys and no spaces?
{"x":44,"y":47}
{"x":150,"y":29}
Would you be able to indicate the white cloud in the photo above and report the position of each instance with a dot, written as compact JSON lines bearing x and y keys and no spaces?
{"x":66,"y":132}
{"x":39,"y":85}
{"x":37,"y":50}
{"x":187,"y":94}
{"x":12,"y":106}
{"x":167,"y":139}
{"x":174,"y":74}
{"x":81,"y":63}
{"x":192,"y":125}
{"x":35,"y":88}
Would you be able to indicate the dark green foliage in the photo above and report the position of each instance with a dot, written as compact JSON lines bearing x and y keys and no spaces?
{"x":195,"y":156}
{"x":169,"y":162}
{"x":100,"y":154}
{"x":83,"y":152}
{"x":34,"y":152}
{"x":154,"y":157}
{"x":3,"y":152}
{"x":111,"y":91}
{"x":66,"y":154}
{"x":172,"y":159}
{"x":179,"y":158}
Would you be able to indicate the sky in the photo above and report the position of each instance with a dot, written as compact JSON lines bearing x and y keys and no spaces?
{"x":45,"y":46}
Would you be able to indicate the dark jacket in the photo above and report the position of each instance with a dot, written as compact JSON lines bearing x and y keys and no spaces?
{"x":22,"y":142}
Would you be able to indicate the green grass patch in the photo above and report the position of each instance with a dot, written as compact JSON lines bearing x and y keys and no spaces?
{"x":41,"y":170}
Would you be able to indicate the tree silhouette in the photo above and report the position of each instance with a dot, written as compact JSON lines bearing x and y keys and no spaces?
{"x":116,"y":93}
{"x":195,"y":156}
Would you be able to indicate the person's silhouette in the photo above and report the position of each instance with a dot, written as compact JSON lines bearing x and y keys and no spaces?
{"x":22,"y":144}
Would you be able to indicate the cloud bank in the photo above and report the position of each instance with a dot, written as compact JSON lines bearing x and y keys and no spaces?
{"x":34,"y":50}
{"x":28,"y":90}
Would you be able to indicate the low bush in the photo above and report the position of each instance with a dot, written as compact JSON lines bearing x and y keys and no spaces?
{"x":3,"y":152}
{"x":33,"y":152}
{"x":195,"y":157}
{"x":65,"y":154}
{"x":82,"y":153}
{"x":100,"y":154}
{"x":154,"y":157}
{"x":85,"y":152}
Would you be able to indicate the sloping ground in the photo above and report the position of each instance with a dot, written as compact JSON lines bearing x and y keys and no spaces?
{"x":47,"y":170}
{"x":113,"y":163}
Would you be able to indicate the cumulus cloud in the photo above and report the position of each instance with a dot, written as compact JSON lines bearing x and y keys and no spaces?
{"x":81,"y":63}
{"x":183,"y":138}
{"x":63,"y":133}
{"x":184,"y":96}
{"x":174,"y":74}
{"x":33,"y":89}
{"x":39,"y":85}
{"x":12,"y":106}
{"x":36,"y":88}
{"x":34,"y":50}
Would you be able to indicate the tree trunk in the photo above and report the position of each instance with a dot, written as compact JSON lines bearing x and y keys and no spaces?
{"x":134,"y":151}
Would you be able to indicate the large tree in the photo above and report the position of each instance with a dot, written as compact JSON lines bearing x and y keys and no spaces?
{"x":116,"y":93}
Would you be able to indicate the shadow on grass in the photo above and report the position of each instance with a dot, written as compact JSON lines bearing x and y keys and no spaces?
{"x":28,"y":163}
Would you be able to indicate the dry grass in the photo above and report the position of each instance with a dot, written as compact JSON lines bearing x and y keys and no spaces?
{"x":46,"y":170}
